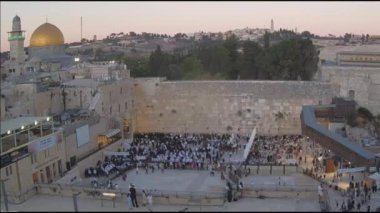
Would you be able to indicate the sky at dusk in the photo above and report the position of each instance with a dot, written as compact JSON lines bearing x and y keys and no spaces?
{"x":104,"y":18}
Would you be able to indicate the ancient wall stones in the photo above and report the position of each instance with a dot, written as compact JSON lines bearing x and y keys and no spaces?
{"x":225,"y":106}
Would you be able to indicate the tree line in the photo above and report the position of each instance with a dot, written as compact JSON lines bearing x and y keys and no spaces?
{"x":294,"y":58}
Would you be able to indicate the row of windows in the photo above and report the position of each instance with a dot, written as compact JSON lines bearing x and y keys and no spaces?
{"x":364,"y":59}
{"x":121,"y":92}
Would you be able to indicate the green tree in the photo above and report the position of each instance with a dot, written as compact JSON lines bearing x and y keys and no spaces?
{"x":266,"y":40}
{"x":232,"y":45}
{"x":250,"y":60}
{"x":289,"y":59}
{"x":138,"y":66}
{"x":158,"y":63}
{"x":306,"y":34}
{"x":191,"y":68}
{"x":215,"y":59}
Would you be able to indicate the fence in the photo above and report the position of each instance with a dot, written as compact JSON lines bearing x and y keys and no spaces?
{"x":280,"y":191}
{"x":20,"y":198}
{"x":160,"y":196}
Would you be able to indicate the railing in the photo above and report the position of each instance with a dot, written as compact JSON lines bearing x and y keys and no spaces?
{"x":287,"y":188}
{"x":22,"y":197}
{"x":192,"y":196}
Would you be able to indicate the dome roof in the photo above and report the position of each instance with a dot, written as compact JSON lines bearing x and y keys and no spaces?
{"x":46,"y":35}
{"x":16,"y":18}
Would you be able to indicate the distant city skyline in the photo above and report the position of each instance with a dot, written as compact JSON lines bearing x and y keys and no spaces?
{"x":104,"y":18}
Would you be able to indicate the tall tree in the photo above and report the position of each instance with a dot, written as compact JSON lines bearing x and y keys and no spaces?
{"x":232,"y":45}
{"x":159,"y":63}
{"x":266,"y":40}
{"x":250,"y":60}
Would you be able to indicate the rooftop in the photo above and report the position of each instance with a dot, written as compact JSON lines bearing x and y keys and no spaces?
{"x":359,"y":52}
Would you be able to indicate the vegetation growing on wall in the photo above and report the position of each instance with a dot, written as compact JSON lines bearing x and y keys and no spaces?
{"x":361,"y":117}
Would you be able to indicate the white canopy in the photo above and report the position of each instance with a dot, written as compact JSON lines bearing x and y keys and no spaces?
{"x":111,"y":132}
{"x":376,"y":176}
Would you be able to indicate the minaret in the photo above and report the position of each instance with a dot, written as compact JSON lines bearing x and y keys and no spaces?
{"x":271,"y":26}
{"x":16,"y":42}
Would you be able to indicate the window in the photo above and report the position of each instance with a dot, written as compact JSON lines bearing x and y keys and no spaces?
{"x":111,"y":110}
{"x":121,"y":90}
{"x":75,"y":93}
{"x":10,"y":169}
{"x":6,"y":171}
{"x":102,"y":107}
{"x":126,"y":106}
{"x":119,"y":108}
{"x":351,"y":94}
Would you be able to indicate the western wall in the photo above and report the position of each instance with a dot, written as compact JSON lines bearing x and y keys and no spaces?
{"x":225,"y":106}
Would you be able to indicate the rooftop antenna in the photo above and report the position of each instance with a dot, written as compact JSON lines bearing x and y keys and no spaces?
{"x":46,"y":19}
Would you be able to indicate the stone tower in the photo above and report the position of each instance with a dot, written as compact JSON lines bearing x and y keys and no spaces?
{"x":16,"y":41}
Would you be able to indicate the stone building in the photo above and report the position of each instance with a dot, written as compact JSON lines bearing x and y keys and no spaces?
{"x":46,"y":51}
{"x":356,"y":58}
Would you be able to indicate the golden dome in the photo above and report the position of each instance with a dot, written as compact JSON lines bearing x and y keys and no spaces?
{"x":46,"y":35}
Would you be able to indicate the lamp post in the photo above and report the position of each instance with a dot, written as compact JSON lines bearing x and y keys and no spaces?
{"x":4,"y":193}
{"x":75,"y":196}
{"x":76,"y":59}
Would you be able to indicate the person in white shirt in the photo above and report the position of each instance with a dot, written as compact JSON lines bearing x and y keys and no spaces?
{"x":150,"y":200}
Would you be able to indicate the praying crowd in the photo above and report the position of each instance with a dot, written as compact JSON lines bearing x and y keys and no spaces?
{"x":110,"y":165}
{"x":276,"y":150}
{"x":197,"y":151}
{"x":183,"y":151}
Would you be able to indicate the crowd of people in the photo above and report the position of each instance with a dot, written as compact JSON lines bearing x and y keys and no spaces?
{"x":276,"y":150}
{"x":212,"y":152}
{"x":110,"y":165}
{"x":358,"y":195}
{"x":187,"y":151}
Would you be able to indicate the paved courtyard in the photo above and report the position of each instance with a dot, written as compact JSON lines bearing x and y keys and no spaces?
{"x":172,"y":180}
{"x":178,"y":180}
{"x":44,"y":203}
